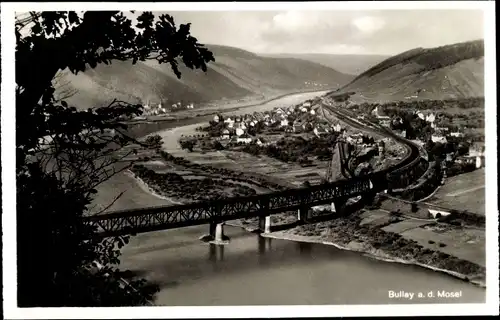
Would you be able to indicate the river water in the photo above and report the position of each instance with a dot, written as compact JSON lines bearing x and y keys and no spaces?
{"x":252,"y":270}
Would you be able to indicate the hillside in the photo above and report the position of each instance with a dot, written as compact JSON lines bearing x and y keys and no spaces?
{"x":447,"y":72}
{"x":353,"y":64}
{"x":235,"y":74}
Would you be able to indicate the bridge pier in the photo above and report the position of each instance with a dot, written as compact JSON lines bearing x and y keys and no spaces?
{"x":265,"y":224}
{"x":215,"y":234}
{"x":302,"y":214}
{"x":338,"y":206}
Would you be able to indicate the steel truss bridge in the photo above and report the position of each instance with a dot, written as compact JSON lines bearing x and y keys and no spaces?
{"x":168,"y":217}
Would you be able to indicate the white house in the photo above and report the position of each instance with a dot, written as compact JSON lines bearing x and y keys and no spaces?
{"x":312,"y":112}
{"x":475,"y":151}
{"x":438,"y":139}
{"x":244,"y":139}
{"x":239,"y":132}
{"x":430,"y":118}
{"x":337,"y":127}
{"x":420,"y":115}
{"x":216,"y":118}
{"x":225,"y":134}
{"x":457,"y":134}
{"x":284,"y":122}
{"x":253,"y":123}
{"x":306,"y":104}
{"x":228,"y":120}
{"x":279,"y":111}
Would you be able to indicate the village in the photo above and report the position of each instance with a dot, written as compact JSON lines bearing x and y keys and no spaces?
{"x":436,"y":132}
{"x":155,"y":109}
{"x":298,"y":134}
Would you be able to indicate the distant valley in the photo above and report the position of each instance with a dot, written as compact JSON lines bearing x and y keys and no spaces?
{"x":354,"y":64}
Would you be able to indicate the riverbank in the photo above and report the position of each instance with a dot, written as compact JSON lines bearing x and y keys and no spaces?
{"x":230,"y":107}
{"x":351,"y":234}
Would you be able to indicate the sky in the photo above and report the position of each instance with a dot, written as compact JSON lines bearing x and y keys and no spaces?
{"x":386,"y":32}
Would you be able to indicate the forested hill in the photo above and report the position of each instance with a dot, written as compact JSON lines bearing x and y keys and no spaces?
{"x":235,"y":74}
{"x":447,"y":72}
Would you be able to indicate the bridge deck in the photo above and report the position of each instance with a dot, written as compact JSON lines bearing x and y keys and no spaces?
{"x":168,"y":217}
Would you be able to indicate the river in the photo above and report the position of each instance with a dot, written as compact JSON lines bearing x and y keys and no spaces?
{"x":253,"y":270}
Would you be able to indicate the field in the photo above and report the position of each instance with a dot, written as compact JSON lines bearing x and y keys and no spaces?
{"x":463,"y":192}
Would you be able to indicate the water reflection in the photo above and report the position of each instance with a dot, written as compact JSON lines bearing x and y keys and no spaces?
{"x":215,"y":252}
{"x":264,"y":245}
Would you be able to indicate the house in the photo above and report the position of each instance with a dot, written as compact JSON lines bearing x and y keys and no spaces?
{"x":279,"y":111}
{"x":225,"y":135}
{"x":239,"y":132}
{"x":476,"y":150}
{"x":312,"y":112}
{"x":356,"y":138}
{"x":306,"y":104}
{"x":430,"y":118}
{"x":337,"y":127}
{"x":216,"y":118}
{"x":284,"y":123}
{"x":303,"y":109}
{"x":420,"y":115}
{"x":228,"y":120}
{"x":457,"y":134}
{"x":438,"y":139}
{"x":245,"y":138}
{"x":320,"y":131}
{"x":298,"y":127}
{"x":252,"y":123}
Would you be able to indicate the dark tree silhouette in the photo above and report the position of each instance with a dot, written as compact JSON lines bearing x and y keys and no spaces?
{"x":154,"y":141}
{"x":64,"y":153}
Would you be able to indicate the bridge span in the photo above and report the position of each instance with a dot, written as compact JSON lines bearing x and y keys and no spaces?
{"x":218,"y":211}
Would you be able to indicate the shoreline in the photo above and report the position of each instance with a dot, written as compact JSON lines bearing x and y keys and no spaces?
{"x":146,"y":188}
{"x":374,"y":253}
{"x":210,"y":112}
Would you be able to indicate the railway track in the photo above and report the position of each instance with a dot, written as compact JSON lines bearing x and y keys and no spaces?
{"x":411,"y":164}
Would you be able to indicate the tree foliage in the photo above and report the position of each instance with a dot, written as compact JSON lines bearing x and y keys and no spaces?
{"x":64,"y":153}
